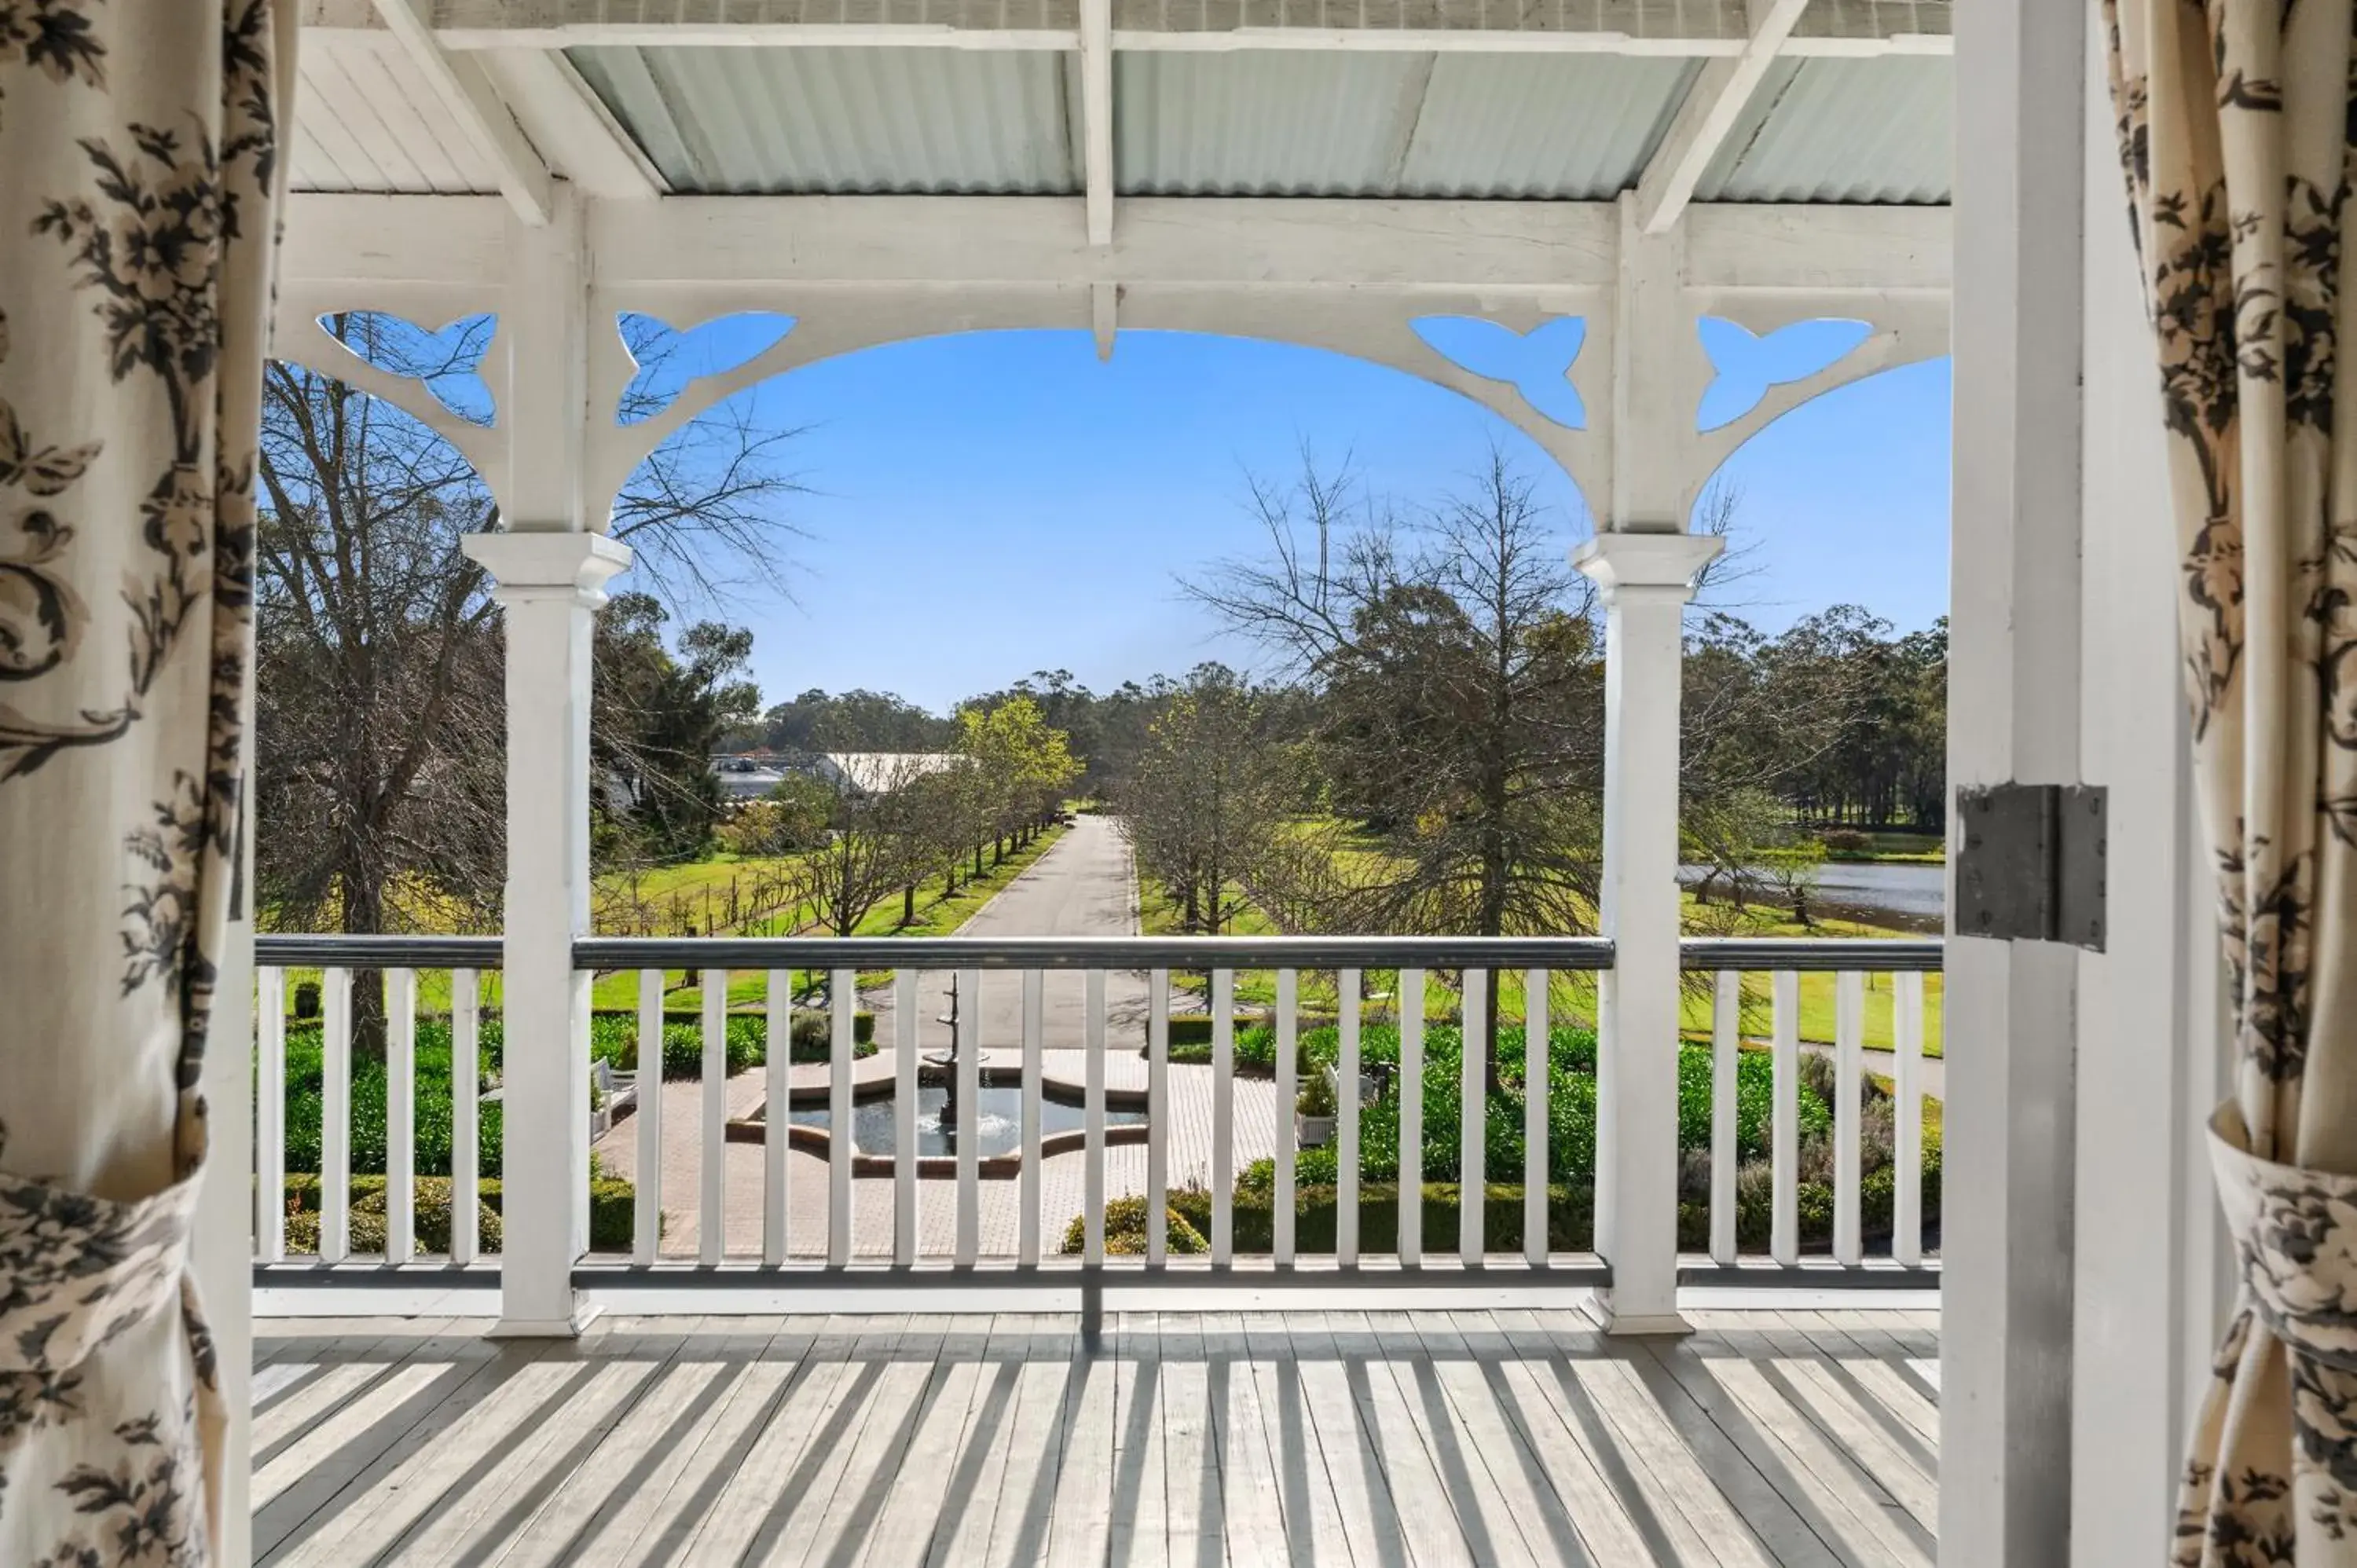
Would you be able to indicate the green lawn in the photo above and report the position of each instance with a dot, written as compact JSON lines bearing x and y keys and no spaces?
{"x":1572,"y":996}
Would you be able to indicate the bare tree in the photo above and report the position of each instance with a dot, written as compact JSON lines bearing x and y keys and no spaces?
{"x":1207,"y":797}
{"x":379,"y":784}
{"x":873,"y":840}
{"x":1461,"y":671}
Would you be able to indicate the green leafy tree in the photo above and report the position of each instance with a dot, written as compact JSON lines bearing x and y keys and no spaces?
{"x":659,"y":714}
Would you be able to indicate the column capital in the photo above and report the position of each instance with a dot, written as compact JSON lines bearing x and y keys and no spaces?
{"x":1671,"y":561}
{"x":546,"y":563}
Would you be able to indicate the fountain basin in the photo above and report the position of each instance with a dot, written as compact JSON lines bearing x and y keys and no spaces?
{"x":996,"y":1122}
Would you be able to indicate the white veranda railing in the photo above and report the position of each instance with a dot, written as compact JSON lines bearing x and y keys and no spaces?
{"x":1198,"y":1129}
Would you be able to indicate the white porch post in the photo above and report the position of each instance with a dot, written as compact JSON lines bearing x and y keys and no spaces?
{"x":549,"y":584}
{"x":2015,"y":679}
{"x":1646,"y":580}
{"x":549,"y":572}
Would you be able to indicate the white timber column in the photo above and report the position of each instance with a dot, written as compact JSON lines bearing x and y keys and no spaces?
{"x":2154,"y":1274}
{"x":2015,"y":684}
{"x":549,"y":570}
{"x":1646,"y":580}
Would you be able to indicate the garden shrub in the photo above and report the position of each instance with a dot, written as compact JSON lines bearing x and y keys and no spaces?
{"x":613,"y":1213}
{"x":613,"y":1040}
{"x":306,"y":1068}
{"x":1126,"y":1230}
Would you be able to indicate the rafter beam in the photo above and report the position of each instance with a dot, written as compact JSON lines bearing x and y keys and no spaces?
{"x":1712,"y":105}
{"x":466,"y":90}
{"x":1562,"y":254}
{"x":1096,"y":116}
{"x":569,"y":122}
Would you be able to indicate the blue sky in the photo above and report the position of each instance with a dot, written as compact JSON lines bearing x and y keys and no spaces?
{"x":986,"y":505}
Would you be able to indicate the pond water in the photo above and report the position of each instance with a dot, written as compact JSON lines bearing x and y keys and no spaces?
{"x":996,"y":1121}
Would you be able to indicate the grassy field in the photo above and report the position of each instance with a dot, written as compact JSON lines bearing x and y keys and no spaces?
{"x":1571,"y":997}
{"x":935,"y":916}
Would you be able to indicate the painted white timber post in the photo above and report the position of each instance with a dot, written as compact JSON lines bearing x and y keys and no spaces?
{"x":2015,"y":677}
{"x":549,"y":584}
{"x":1646,"y":579}
{"x":549,"y":571}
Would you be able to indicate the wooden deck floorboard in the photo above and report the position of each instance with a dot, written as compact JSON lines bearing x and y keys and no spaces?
{"x":1422,"y":1440}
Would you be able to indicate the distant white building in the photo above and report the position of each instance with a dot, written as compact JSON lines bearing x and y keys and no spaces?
{"x":748,"y":776}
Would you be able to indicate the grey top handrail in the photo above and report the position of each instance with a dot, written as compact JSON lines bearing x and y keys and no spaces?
{"x":1816,"y":955}
{"x":325,"y":951}
{"x":1703,"y":953}
{"x":1092,"y":952}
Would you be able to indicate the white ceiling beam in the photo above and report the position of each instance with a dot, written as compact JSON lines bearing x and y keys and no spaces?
{"x":1096,"y":116}
{"x":344,"y":245}
{"x":1713,"y":103}
{"x":466,"y":90}
{"x":568,"y":122}
{"x":1693,"y":27}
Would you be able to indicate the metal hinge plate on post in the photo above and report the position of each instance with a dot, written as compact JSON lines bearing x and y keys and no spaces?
{"x":2030,"y":863}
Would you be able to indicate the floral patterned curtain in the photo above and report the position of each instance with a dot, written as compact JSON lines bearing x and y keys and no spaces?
{"x":2235,"y":132}
{"x":139,"y":145}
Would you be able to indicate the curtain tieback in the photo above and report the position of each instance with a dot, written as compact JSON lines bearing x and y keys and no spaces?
{"x":76,"y":1270}
{"x":2296,"y":1234}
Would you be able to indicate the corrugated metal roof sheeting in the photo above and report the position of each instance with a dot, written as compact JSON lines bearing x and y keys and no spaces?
{"x":1566,"y":126}
{"x":918,"y":121}
{"x":1873,"y":130}
{"x":1570,"y":128}
{"x":1261,"y":124}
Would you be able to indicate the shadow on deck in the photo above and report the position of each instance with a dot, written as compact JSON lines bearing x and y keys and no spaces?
{"x":1390,"y":1438}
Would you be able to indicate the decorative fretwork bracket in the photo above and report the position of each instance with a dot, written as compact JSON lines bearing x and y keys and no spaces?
{"x":2030,"y":863}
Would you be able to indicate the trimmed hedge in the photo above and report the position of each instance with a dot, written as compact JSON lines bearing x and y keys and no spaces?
{"x":305,"y":1069}
{"x":1571,"y":1106}
{"x":613,"y":1213}
{"x":613,"y":1040}
{"x":1570,"y":1217}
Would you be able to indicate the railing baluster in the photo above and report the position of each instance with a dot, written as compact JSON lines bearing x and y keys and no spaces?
{"x":1346,"y":1124}
{"x":1410,"y":1089}
{"x":711,"y":1211}
{"x":1784,"y":1148}
{"x":1538,"y":1079}
{"x":1157,"y":1116}
{"x":777,"y":1112}
{"x":1850,"y":1044}
{"x":1034,"y":1009}
{"x":1223,"y":1120}
{"x":842,"y":989}
{"x":969,"y":1122}
{"x":1288,"y":1091}
{"x":906,"y":1001}
{"x":270,"y":1115}
{"x":1473,"y":1098}
{"x":466,"y":1091}
{"x":1092,"y":1198}
{"x":1907,"y":1121}
{"x":399,"y":1115}
{"x":646,"y":1219}
{"x":1726,"y":1056}
{"x":335,"y":1115}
